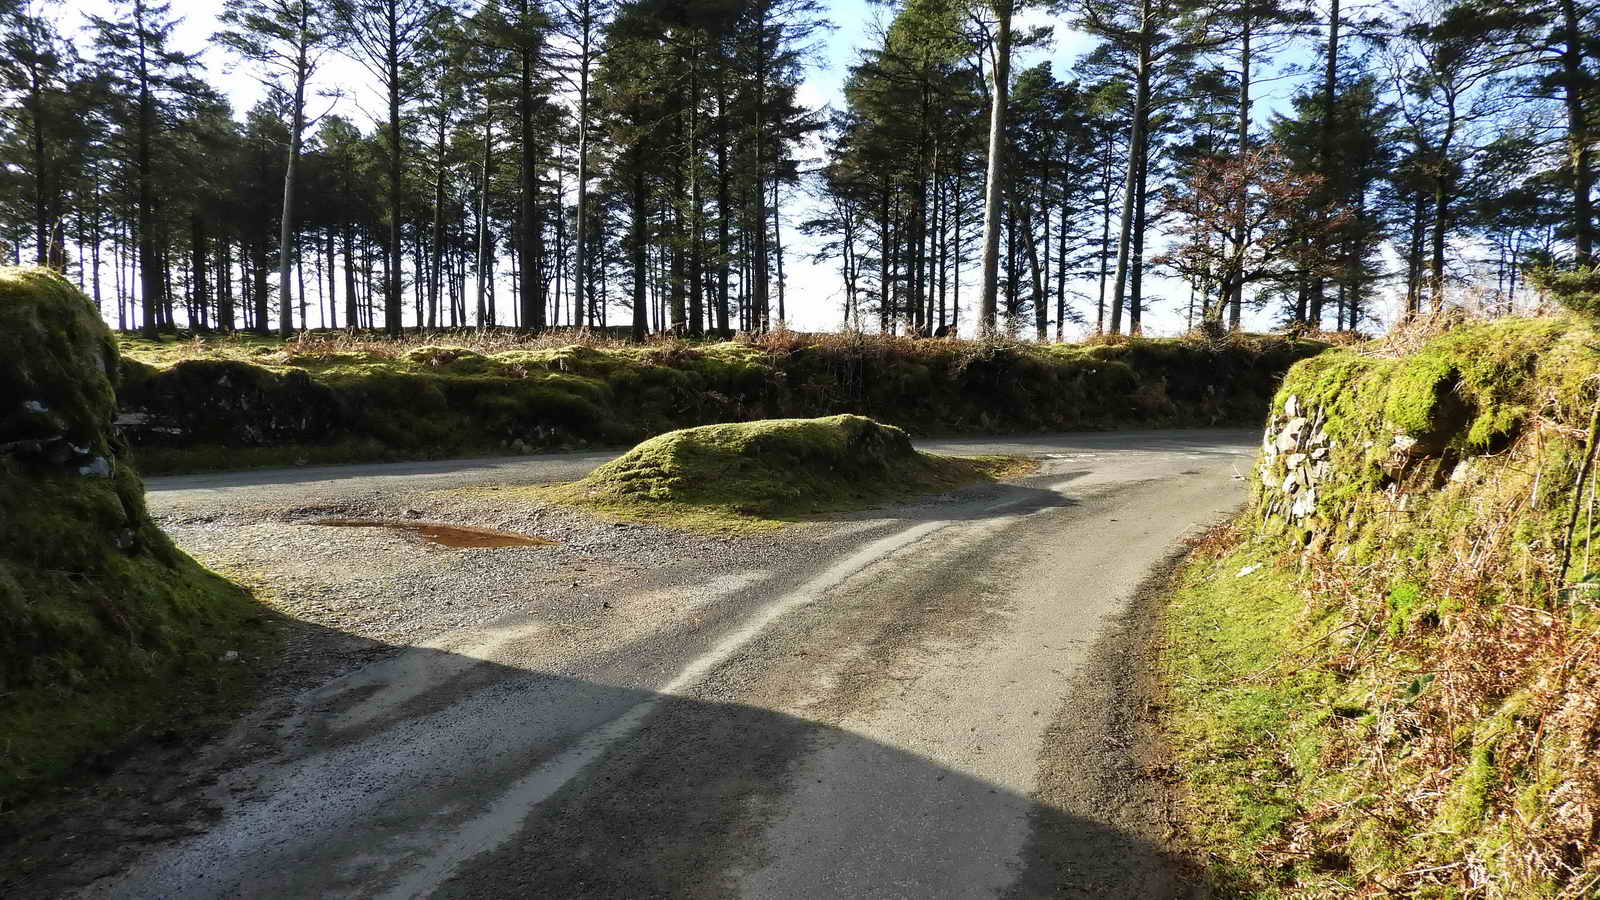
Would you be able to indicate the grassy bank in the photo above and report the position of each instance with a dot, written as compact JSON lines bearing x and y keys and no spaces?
{"x":107,"y":631}
{"x":1382,"y":682}
{"x":241,"y":401}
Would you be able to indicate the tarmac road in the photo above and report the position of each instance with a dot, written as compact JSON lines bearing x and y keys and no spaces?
{"x":934,"y":700}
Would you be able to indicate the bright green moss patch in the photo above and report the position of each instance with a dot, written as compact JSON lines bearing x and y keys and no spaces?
{"x":106,"y":629}
{"x":757,"y":475}
{"x":1239,"y":702}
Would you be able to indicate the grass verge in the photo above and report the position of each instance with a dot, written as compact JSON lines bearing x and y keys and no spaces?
{"x":1239,"y":685}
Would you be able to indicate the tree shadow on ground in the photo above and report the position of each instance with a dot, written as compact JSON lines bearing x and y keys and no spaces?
{"x":346,"y":789}
{"x":454,"y":466}
{"x":348,"y":783}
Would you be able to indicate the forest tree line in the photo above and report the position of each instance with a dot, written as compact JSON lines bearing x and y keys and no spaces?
{"x":627,"y":164}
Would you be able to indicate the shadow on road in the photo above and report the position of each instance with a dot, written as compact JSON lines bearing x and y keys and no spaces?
{"x":586,"y":782}
{"x":702,"y":799}
{"x":489,"y":466}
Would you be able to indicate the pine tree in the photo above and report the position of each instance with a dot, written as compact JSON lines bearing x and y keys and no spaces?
{"x":385,"y":36}
{"x":147,"y":76}
{"x":286,"y":39}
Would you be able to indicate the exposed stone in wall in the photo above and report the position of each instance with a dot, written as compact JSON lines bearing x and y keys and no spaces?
{"x":56,"y":400}
{"x":1295,"y":461}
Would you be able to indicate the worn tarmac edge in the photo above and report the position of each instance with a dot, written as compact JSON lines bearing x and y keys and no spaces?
{"x":1106,"y":758}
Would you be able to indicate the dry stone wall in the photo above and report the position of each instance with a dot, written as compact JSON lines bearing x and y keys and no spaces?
{"x":1295,"y":461}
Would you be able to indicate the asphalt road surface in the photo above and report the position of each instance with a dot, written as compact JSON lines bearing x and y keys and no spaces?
{"x":926,"y":701}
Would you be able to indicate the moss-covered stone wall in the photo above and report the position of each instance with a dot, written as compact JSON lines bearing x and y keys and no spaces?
{"x":201,"y":405}
{"x":104,"y":624}
{"x":1385,"y":680}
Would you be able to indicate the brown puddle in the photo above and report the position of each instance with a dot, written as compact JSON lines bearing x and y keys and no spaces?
{"x":457,"y":536}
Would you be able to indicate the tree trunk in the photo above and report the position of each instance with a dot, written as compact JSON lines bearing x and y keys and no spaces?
{"x":885,"y":250}
{"x":580,"y":281}
{"x":1236,"y":296}
{"x":1136,"y":271}
{"x":1574,"y":78}
{"x":724,"y":211}
{"x":150,"y":285}
{"x":1136,"y":140}
{"x":391,"y":299}
{"x":641,"y":322}
{"x":440,"y":166}
{"x":1041,"y":303}
{"x":759,"y":233}
{"x":1105,"y":238}
{"x":41,"y":192}
{"x":1414,"y":254}
{"x":225,"y":311}
{"x":696,"y":208}
{"x":352,"y":316}
{"x":777,"y":253}
{"x":296,"y":129}
{"x":199,"y":299}
{"x":1441,"y":214}
{"x":333,"y":294}
{"x":529,"y":241}
{"x":1061,"y":268}
{"x":258,"y":298}
{"x":992,"y":190}
{"x":483,"y":218}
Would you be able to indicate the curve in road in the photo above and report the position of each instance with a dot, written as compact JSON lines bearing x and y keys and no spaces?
{"x":918,"y":710}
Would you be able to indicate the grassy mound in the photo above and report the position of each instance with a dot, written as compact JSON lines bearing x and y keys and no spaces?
{"x":1384,"y":675}
{"x":105,"y":627}
{"x":769,"y":471}
{"x":241,"y":400}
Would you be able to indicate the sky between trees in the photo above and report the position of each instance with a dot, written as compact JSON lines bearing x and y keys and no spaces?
{"x":765,"y":108}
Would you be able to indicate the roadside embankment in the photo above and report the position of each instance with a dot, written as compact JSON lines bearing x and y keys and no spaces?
{"x":106,"y":629}
{"x":242,"y":401}
{"x":1384,"y":674}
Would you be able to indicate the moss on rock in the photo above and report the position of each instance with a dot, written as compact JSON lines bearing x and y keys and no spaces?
{"x":770,"y":470}
{"x":104,"y":624}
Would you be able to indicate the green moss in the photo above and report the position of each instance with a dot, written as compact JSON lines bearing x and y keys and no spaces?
{"x":1467,"y":392}
{"x":1468,"y":804}
{"x":1237,"y":693}
{"x":430,"y":400}
{"x":1425,"y":745}
{"x":105,"y":626}
{"x":1405,"y":604}
{"x":1417,"y":391}
{"x":759,"y":474}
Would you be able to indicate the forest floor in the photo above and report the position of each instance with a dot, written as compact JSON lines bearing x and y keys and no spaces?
{"x":938,"y":699}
